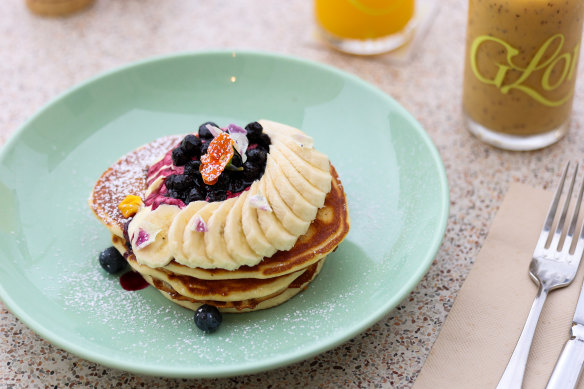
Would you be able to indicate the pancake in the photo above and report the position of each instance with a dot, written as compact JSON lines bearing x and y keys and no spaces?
{"x":263,"y":295}
{"x":207,"y":267}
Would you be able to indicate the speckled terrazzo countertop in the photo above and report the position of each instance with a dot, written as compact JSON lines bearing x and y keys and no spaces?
{"x":41,"y":58}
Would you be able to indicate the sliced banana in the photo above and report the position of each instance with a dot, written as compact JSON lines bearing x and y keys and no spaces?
{"x":214,"y":240}
{"x":311,"y":156}
{"x":275,"y":129}
{"x":148,"y":234}
{"x":294,"y":199}
{"x":311,"y":193}
{"x":317,"y":177}
{"x":194,"y":241}
{"x":177,"y":229}
{"x":235,"y":240}
{"x":273,"y":229}
{"x":297,"y":141}
{"x":289,"y":220}
{"x":251,"y":228}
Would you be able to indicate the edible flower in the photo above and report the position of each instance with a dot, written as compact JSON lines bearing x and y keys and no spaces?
{"x":215,"y":131}
{"x":239,"y":136}
{"x":218,"y":155}
{"x":130,"y":205}
{"x":259,"y":201}
{"x":144,"y":239}
{"x":199,"y":225}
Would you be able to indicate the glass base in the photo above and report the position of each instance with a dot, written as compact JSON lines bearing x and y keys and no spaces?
{"x":370,"y":46}
{"x":516,"y":142}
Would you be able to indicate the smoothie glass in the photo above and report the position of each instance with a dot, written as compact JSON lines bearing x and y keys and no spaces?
{"x":520,"y":70}
{"x":365,"y":27}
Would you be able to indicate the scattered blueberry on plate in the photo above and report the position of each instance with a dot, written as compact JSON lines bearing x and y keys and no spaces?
{"x":112,"y":261}
{"x":208,"y":318}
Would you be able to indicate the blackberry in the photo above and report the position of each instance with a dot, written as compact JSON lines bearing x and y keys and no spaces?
{"x":208,"y":318}
{"x":204,"y":132}
{"x":191,"y":145}
{"x":180,"y":156}
{"x":192,"y":168}
{"x":112,"y":261}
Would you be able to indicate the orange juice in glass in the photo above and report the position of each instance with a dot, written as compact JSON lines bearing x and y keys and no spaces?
{"x":365,"y":27}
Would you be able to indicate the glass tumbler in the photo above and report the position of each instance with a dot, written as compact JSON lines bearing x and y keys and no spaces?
{"x":365,"y":27}
{"x":520,"y":70}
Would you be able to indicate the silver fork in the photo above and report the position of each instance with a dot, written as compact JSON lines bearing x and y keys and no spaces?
{"x":552,"y":267}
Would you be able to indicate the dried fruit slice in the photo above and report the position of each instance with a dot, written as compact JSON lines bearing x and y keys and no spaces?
{"x":218,"y":155}
{"x":130,"y":205}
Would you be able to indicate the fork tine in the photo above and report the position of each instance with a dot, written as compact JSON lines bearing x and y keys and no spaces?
{"x":572,"y":228}
{"x":579,"y":250}
{"x":547,"y":226}
{"x":560,"y":227}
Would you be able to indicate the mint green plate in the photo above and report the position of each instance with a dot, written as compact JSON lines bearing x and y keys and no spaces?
{"x":49,"y":240}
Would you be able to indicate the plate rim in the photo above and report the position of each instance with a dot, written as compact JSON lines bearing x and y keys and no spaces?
{"x":285,"y":359}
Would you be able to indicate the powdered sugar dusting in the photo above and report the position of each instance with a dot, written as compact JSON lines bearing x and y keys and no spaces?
{"x":127,"y":176}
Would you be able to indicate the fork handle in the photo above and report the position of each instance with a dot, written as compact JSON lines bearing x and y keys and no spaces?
{"x":513,"y":376}
{"x":569,"y":366}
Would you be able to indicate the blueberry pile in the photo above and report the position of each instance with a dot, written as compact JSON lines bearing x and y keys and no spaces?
{"x":234,"y":179}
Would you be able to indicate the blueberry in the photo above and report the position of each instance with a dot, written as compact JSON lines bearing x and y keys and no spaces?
{"x":264,"y":141}
{"x":237,"y":185}
{"x":204,"y":147}
{"x":112,"y":261}
{"x":195,"y":194}
{"x":254,"y":130}
{"x":179,"y":182}
{"x":216,"y":195}
{"x":236,"y":159}
{"x":208,"y":318}
{"x":251,"y":171}
{"x":257,"y":156}
{"x":173,"y":194}
{"x":204,"y":132}
{"x":199,"y":183}
{"x":221,"y":183}
{"x":192,"y":168}
{"x":192,"y":145}
{"x":180,"y":156}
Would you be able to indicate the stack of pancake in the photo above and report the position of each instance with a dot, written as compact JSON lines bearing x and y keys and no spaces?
{"x":259,"y":284}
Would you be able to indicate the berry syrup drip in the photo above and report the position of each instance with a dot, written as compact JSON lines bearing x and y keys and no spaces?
{"x":133,"y":281}
{"x":180,"y":168}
